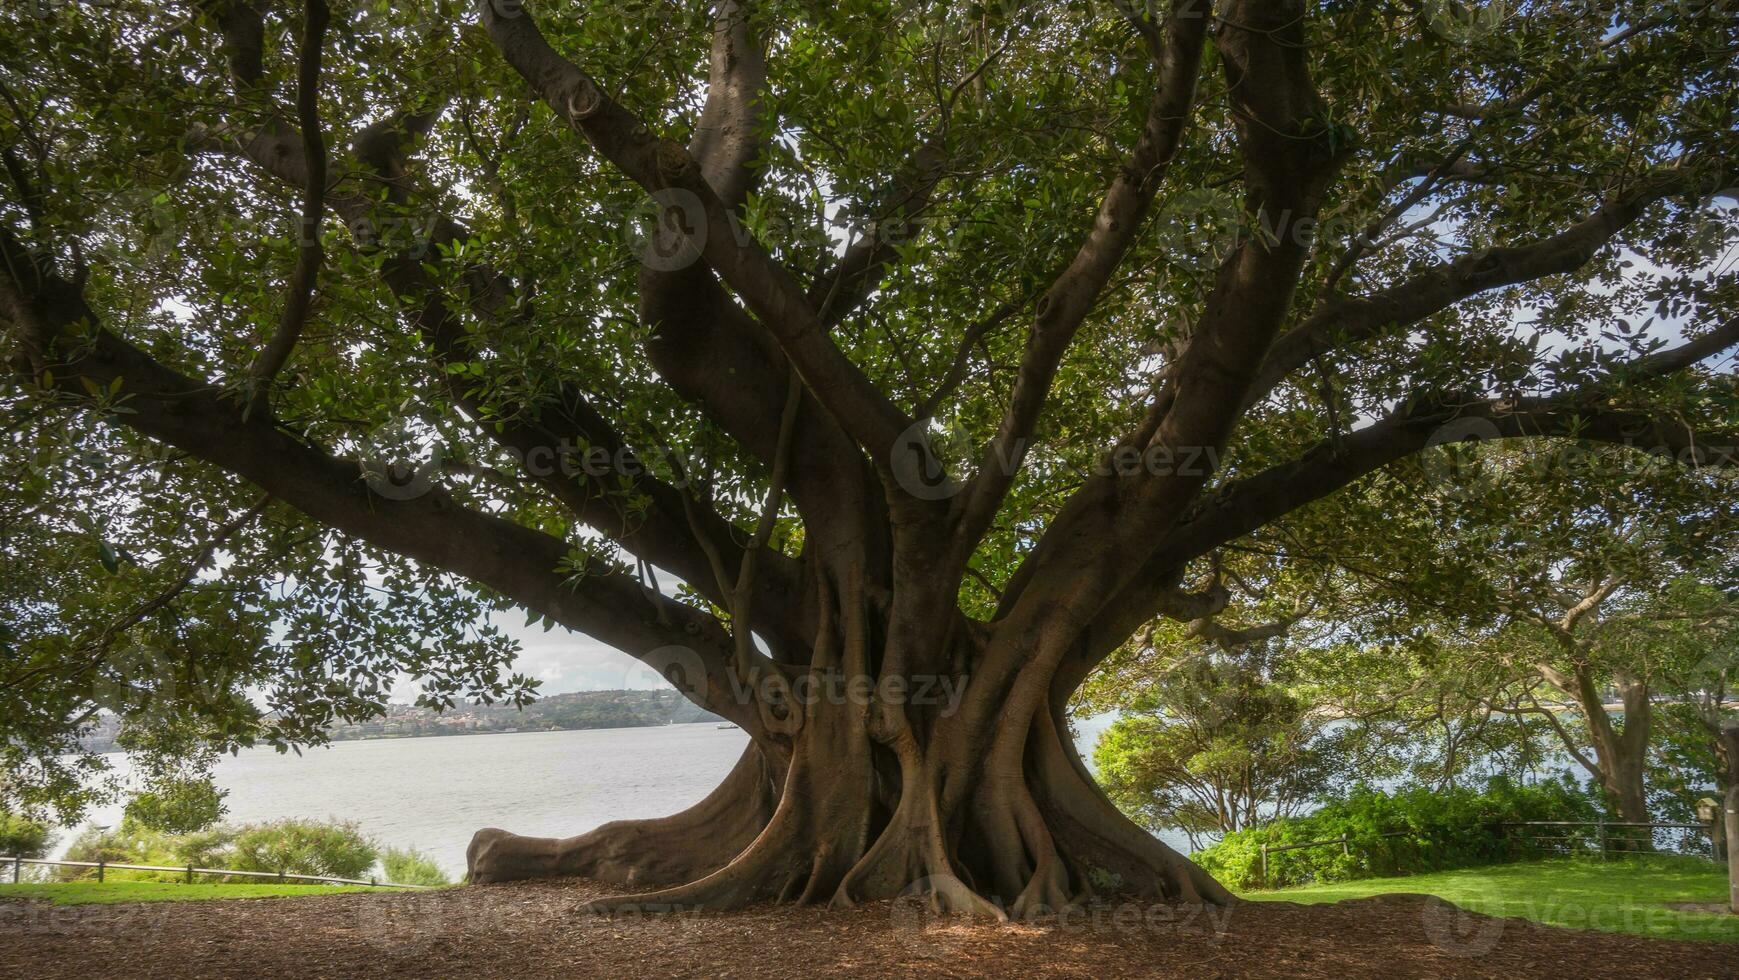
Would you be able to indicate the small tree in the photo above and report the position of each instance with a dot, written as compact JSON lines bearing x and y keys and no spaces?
{"x":336,"y":849}
{"x":404,"y":866}
{"x":23,"y":837}
{"x":172,"y":765}
{"x":1219,"y":741}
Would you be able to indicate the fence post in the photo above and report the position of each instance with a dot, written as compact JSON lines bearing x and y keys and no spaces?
{"x":190,"y":874}
{"x":17,"y":867}
{"x":280,"y":875}
{"x":1600,"y":837}
{"x":100,"y":872}
{"x":1344,"y":850}
{"x":1265,"y":883}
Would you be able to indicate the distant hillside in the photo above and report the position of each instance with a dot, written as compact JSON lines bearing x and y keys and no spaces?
{"x":557,"y":712}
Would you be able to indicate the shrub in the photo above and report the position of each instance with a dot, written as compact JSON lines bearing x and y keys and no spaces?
{"x":336,"y":849}
{"x":1410,"y":831}
{"x":177,"y":806}
{"x":412,"y":867}
{"x":129,"y":843}
{"x":22,"y":837}
{"x":310,"y":847}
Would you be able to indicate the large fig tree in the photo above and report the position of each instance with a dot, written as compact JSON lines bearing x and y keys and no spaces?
{"x":872,"y":369}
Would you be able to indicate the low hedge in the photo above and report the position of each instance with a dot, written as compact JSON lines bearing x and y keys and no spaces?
{"x":336,"y":849}
{"x":1405,"y":832}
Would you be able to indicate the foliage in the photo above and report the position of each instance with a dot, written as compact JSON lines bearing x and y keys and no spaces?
{"x":177,"y":806}
{"x":132,"y":843}
{"x":1298,"y":272}
{"x":1431,"y":830}
{"x":172,"y":764}
{"x":411,"y":867}
{"x":1687,"y":767}
{"x":1633,"y":894}
{"x":23,"y":837}
{"x":333,"y":849}
{"x":1215,"y":743}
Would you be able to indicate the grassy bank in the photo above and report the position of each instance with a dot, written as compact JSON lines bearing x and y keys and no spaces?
{"x":1633,"y":895}
{"x":92,"y":893}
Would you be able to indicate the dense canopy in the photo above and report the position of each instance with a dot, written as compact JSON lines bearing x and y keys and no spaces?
{"x":785,"y":343}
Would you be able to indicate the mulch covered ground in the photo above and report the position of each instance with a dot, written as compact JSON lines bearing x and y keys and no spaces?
{"x":530,"y":930}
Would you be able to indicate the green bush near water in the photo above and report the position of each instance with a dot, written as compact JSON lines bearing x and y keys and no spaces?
{"x":411,"y":867}
{"x":309,"y":847}
{"x":1408,"y":832}
{"x":22,"y":837}
{"x":336,"y":849}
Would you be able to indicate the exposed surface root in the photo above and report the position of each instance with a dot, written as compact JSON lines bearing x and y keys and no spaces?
{"x":528,"y":931}
{"x":642,"y":853}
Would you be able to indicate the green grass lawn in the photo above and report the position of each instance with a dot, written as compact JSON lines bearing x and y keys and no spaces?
{"x":92,"y":893}
{"x":1629,"y":894}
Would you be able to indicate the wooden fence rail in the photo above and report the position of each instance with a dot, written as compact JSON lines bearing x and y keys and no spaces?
{"x":102,"y":867}
{"x":1342,"y":840}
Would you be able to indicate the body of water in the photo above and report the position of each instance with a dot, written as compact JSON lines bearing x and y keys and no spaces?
{"x":434,"y":793}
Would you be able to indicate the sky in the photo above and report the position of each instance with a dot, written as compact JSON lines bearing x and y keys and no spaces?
{"x":567,"y":661}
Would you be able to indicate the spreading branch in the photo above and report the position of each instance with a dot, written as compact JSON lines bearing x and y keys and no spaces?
{"x":309,"y":254}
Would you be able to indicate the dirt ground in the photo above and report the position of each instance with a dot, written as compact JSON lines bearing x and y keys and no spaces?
{"x":530,"y":930}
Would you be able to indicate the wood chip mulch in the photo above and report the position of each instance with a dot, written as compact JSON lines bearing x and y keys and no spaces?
{"x":531,"y":930}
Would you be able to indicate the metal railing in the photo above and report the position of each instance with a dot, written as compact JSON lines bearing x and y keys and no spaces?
{"x":103,"y":867}
{"x":1602,"y":839}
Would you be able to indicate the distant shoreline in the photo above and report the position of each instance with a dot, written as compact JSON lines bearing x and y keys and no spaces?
{"x":521,"y":731}
{"x":576,"y":711}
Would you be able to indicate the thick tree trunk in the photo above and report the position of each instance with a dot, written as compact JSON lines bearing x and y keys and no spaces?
{"x":644,"y":853}
{"x":1620,"y":750}
{"x":1626,"y":753}
{"x":936,"y":791}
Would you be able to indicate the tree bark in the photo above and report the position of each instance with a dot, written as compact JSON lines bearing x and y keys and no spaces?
{"x":952,"y":803}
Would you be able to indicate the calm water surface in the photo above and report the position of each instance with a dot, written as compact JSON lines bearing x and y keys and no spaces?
{"x":434,"y":793}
